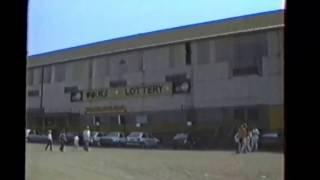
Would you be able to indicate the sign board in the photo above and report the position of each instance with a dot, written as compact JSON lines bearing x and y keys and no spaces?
{"x":122,"y":92}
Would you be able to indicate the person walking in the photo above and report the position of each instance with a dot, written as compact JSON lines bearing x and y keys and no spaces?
{"x":62,"y":140}
{"x":243,"y":134}
{"x":76,"y":141}
{"x":255,"y":139}
{"x":86,"y":138}
{"x":249,"y":141}
{"x":49,"y":141}
{"x":238,"y":142}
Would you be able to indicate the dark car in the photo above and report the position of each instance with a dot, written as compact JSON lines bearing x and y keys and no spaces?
{"x":183,"y":140}
{"x":271,"y":141}
{"x":70,"y":137}
{"x":37,"y":138}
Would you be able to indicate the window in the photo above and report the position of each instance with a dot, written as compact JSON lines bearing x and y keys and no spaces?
{"x":123,"y":67}
{"x":80,"y":70}
{"x":188,"y":53}
{"x":253,"y":114}
{"x":203,"y":51}
{"x":47,"y":75}
{"x":249,"y":50}
{"x":172,"y":58}
{"x":30,"y":76}
{"x":33,"y":93}
{"x":60,"y":73}
{"x":224,"y":49}
{"x":115,"y":84}
{"x":107,"y":67}
{"x":70,"y":89}
{"x":247,"y":114}
{"x":141,"y":64}
{"x":37,"y":75}
{"x":176,"y":78}
{"x":90,"y":72}
{"x":239,"y":115}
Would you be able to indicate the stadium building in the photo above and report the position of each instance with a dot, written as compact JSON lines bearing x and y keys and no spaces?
{"x":205,"y":78}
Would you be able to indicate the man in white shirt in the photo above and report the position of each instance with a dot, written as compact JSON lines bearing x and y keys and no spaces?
{"x":76,"y":142}
{"x":255,"y":139}
{"x":237,"y":140}
{"x":86,"y":138}
{"x":50,"y":140}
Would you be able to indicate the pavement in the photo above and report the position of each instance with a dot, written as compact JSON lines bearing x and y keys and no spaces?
{"x":145,"y":164}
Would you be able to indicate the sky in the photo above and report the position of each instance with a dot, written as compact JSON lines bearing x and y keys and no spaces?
{"x":60,"y":24}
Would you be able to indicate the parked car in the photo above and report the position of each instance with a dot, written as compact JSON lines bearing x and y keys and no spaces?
{"x":142,"y":139}
{"x":113,"y":139}
{"x":37,"y":138}
{"x":95,"y":138}
{"x":183,"y":140}
{"x":271,"y":141}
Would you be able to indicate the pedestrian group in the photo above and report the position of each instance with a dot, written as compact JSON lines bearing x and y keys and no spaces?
{"x":247,"y":140}
{"x":63,"y":140}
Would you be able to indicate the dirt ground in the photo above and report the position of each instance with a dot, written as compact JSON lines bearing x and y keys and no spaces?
{"x":140,"y":164}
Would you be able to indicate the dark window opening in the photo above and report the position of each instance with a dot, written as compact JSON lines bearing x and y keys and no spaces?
{"x":188,"y":53}
{"x":249,"y":51}
{"x":60,"y":73}
{"x":70,"y":89}
{"x":30,"y":77}
{"x":176,"y":78}
{"x":90,"y":70}
{"x":115,"y":84}
{"x":239,"y":115}
{"x":47,"y":75}
{"x":122,"y":62}
{"x":33,"y":93}
{"x":203,"y":51}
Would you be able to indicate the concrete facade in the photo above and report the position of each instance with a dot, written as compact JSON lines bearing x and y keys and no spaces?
{"x":216,"y":91}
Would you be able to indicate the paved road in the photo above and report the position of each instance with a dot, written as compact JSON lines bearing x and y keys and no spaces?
{"x":138,"y":164}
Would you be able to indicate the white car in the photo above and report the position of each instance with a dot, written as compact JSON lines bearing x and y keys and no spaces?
{"x":95,"y":138}
{"x":142,"y":139}
{"x":113,"y":139}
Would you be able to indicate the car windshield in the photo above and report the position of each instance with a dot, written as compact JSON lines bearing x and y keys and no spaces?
{"x":134,"y":134}
{"x":112,"y":134}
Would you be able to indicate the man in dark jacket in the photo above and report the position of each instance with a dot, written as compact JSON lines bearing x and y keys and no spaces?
{"x":62,"y":140}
